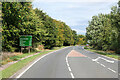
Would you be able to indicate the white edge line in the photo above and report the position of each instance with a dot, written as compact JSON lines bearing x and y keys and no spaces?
{"x":69,"y":66}
{"x":37,"y":61}
{"x":30,"y":66}
{"x":102,"y":55}
{"x":112,"y":70}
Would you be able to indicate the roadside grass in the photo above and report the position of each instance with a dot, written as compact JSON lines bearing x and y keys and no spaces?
{"x":15,"y":58}
{"x":106,"y":53}
{"x":17,"y":66}
{"x":6,"y":73}
{"x":18,"y":57}
{"x":56,"y":48}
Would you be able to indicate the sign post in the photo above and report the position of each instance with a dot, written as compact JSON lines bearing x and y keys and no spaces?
{"x":25,"y":40}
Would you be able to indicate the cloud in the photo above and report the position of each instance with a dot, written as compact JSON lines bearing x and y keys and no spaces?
{"x":79,"y":31}
{"x":74,"y":13}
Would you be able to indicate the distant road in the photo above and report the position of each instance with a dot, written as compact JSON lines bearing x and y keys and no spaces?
{"x":73,"y":62}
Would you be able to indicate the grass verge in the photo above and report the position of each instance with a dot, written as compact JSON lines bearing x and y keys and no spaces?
{"x":18,"y":57}
{"x":6,"y":73}
{"x":15,"y":58}
{"x":105,"y":53}
{"x":17,"y":66}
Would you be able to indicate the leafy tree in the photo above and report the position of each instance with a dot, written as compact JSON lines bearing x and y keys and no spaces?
{"x":103,"y":31}
{"x":81,"y":40}
{"x":19,"y":18}
{"x":75,"y":37}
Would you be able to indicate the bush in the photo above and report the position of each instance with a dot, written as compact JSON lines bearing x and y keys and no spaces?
{"x":41,"y":47}
{"x":6,"y":55}
{"x":86,"y":47}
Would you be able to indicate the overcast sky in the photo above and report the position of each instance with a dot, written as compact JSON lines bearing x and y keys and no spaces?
{"x":75,"y":13}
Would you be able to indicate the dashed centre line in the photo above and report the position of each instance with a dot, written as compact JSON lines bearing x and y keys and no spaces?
{"x":73,"y":53}
{"x":98,"y":62}
{"x":112,"y":70}
{"x":102,"y":65}
{"x":72,"y":75}
{"x":36,"y":62}
{"x":69,"y":66}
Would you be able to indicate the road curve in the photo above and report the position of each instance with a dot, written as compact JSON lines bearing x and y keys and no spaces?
{"x":51,"y":66}
{"x":72,"y":62}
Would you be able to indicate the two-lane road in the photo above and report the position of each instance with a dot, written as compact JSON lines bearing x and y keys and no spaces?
{"x":72,"y":62}
{"x":51,"y":66}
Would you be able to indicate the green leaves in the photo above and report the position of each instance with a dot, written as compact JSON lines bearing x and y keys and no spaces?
{"x":103,"y":31}
{"x":21,"y":19}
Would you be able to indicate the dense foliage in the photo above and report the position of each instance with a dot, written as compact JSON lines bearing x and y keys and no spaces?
{"x":103,"y":32}
{"x":19,"y":18}
{"x":81,"y":39}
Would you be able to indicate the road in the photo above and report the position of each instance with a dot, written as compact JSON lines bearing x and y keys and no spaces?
{"x":73,"y":62}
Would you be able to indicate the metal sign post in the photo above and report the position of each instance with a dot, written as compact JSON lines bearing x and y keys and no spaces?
{"x":29,"y":49}
{"x":25,"y":40}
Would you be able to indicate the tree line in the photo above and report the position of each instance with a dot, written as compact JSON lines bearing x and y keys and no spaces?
{"x":103,"y":31}
{"x":19,"y":18}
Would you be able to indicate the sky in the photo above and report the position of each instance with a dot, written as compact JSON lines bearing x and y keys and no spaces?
{"x":75,"y":13}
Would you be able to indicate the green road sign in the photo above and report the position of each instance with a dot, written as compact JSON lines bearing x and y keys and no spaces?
{"x":25,"y":40}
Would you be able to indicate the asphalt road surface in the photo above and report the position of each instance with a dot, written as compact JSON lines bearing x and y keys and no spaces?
{"x":73,"y":62}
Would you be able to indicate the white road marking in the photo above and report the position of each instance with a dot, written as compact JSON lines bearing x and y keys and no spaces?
{"x":35,"y":62}
{"x":69,"y":66}
{"x":107,"y":60}
{"x":101,"y":55}
{"x":69,"y":69}
{"x":96,"y":59}
{"x":102,"y":65}
{"x":66,"y":61}
{"x":103,"y":59}
{"x":98,"y":62}
{"x":31,"y":66}
{"x":108,"y":57}
{"x":72,"y":75}
{"x":112,"y":70}
{"x":89,"y":57}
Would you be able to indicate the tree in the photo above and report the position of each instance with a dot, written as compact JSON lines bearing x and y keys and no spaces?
{"x":75,"y":37}
{"x":19,"y":18}
{"x":81,"y":40}
{"x":103,"y":31}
